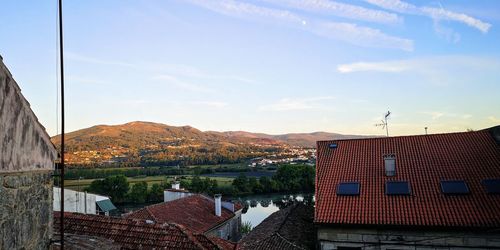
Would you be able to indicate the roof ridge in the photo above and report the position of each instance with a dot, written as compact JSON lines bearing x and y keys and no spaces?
{"x":293,"y":207}
{"x":285,"y":239}
{"x":403,"y":136}
{"x":189,"y":235}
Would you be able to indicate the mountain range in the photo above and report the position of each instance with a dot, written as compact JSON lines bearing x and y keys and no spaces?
{"x":141,"y":141}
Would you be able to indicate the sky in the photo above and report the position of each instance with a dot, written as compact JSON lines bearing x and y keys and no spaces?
{"x":272,"y":66}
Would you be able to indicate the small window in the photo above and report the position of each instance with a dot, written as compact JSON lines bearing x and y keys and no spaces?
{"x":397,"y":188}
{"x":492,"y":186}
{"x":390,"y":165}
{"x":333,"y":145}
{"x":454,"y":187}
{"x":348,"y":188}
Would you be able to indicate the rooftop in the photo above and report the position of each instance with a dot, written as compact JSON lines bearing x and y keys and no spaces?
{"x":424,"y":162}
{"x":196,"y":212}
{"x":289,"y":228}
{"x":137,"y":234}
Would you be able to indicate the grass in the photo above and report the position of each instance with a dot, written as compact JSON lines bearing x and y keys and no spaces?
{"x":82,"y":184}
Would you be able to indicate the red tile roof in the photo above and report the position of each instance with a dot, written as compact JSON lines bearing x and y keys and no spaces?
{"x":289,"y":228}
{"x":423,"y":161}
{"x":196,"y":212}
{"x":137,"y":234}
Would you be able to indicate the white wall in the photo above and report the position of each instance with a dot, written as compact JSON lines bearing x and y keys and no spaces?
{"x":77,"y":202}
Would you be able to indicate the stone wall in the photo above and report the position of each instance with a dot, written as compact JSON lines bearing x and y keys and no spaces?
{"x":333,"y":238}
{"x":25,"y":210}
{"x":229,"y":230}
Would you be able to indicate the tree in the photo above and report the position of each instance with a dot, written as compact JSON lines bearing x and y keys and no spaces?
{"x":155,"y":193}
{"x":241,"y":184}
{"x":116,"y":187}
{"x":139,"y":192}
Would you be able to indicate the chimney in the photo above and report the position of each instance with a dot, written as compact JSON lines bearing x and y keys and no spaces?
{"x":218,"y":207}
{"x":176,"y":185}
{"x":390,"y":165}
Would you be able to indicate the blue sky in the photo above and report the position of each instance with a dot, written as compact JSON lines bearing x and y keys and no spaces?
{"x":273,"y":66}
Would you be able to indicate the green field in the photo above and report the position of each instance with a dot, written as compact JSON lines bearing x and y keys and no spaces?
{"x":82,"y":184}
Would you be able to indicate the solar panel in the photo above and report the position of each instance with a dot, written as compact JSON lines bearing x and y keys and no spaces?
{"x":397,"y":188}
{"x":454,"y":187}
{"x":492,"y":186}
{"x":348,"y":188}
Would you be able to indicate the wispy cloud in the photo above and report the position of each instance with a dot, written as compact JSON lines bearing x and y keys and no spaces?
{"x":81,"y":58}
{"x":293,"y":104}
{"x":347,"y":32}
{"x":174,"y":81}
{"x":340,"y":9}
{"x":427,"y":64}
{"x":193,"y":72}
{"x":212,"y":104}
{"x":437,"y":115}
{"x":432,"y":12}
{"x":86,"y":80}
{"x":494,"y":119}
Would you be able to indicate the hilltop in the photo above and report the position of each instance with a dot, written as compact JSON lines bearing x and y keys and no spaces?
{"x":160,"y":144}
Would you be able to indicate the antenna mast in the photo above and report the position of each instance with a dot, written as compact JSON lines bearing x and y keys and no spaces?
{"x":384,"y":123}
{"x":61,"y":176}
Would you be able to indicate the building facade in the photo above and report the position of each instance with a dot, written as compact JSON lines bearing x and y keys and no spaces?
{"x":437,"y":191}
{"x":26,"y":165}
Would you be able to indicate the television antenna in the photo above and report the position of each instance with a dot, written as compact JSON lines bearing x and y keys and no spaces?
{"x":384,"y":123}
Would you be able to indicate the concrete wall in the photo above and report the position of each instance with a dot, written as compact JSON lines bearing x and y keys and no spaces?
{"x":169,"y":195}
{"x":332,"y":238}
{"x":26,"y":164}
{"x":76,"y":202}
{"x":229,"y":230}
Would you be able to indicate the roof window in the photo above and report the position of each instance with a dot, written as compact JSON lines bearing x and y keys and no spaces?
{"x":397,"y":188}
{"x":454,"y":187}
{"x":390,"y":165}
{"x":348,"y":188}
{"x":492,"y":186}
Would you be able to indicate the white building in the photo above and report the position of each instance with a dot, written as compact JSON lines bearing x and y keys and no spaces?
{"x":82,"y":202}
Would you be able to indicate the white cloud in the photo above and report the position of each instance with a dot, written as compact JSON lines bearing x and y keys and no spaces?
{"x":340,"y":9}
{"x":494,"y":119}
{"x":347,"y":32}
{"x":193,"y":72}
{"x":423,"y":65}
{"x":171,"y":80}
{"x":290,"y":104}
{"x":434,"y":13}
{"x":212,"y":104}
{"x":85,"y":80}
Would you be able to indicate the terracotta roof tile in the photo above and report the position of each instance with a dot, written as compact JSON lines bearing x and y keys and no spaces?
{"x":135,"y":234}
{"x":289,"y":228}
{"x":196,"y":212}
{"x":423,"y":161}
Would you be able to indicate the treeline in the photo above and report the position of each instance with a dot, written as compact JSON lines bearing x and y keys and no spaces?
{"x":83,"y":173}
{"x":118,"y":188}
{"x":288,"y":178}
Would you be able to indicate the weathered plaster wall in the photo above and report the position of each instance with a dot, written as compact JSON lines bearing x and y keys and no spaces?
{"x":24,"y":144}
{"x":371,"y":239}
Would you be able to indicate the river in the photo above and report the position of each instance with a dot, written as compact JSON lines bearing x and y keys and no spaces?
{"x":256,"y":207}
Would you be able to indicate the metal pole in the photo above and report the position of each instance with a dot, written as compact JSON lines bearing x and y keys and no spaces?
{"x":61,"y":176}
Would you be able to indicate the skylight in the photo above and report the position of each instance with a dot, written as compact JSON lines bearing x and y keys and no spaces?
{"x":454,"y":187}
{"x":397,"y":188}
{"x":492,"y":186}
{"x":348,"y":188}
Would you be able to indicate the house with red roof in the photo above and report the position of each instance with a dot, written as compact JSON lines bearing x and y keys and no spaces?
{"x":439,"y":191}
{"x":87,"y":231}
{"x":198,"y":213}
